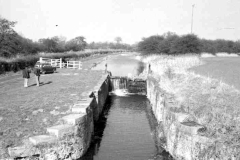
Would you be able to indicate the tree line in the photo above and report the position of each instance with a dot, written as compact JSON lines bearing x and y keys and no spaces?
{"x":171,"y":43}
{"x":109,"y":45}
{"x":12,"y":44}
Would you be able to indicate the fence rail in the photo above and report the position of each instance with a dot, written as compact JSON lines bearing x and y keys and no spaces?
{"x":74,"y":64}
{"x":60,"y":64}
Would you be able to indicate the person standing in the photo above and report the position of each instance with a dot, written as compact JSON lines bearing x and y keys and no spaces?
{"x":106,"y":68}
{"x":26,"y":75}
{"x":36,"y":71}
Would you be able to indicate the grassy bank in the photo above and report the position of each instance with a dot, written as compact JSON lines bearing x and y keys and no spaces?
{"x":213,"y":103}
{"x":19,"y":62}
{"x":26,"y":112}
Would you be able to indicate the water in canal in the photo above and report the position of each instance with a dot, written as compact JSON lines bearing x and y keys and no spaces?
{"x":126,"y":129}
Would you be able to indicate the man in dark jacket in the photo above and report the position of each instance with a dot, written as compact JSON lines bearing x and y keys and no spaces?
{"x":36,"y":71}
{"x":26,"y":75}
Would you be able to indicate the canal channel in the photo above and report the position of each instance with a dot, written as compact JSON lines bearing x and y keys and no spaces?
{"x":126,"y":128}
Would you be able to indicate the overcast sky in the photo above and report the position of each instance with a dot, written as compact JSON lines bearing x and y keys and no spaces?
{"x":103,"y":20}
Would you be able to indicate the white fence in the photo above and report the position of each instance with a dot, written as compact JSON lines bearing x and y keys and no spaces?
{"x":59,"y":64}
{"x":74,"y":64}
{"x":44,"y":60}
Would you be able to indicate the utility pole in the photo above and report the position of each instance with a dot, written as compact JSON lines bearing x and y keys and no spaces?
{"x":192,"y":18}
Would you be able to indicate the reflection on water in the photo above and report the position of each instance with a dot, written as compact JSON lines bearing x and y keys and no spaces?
{"x":123,"y":132}
{"x":122,"y":65}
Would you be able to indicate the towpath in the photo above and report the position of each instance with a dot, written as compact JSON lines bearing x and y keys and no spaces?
{"x":26,"y":112}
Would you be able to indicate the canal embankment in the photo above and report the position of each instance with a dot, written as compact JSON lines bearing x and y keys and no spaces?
{"x":197,"y":116}
{"x":55,"y":120}
{"x":178,"y":132}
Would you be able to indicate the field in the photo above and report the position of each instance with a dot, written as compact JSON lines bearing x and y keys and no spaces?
{"x":28,"y":111}
{"x":225,"y":69}
{"x":207,"y":89}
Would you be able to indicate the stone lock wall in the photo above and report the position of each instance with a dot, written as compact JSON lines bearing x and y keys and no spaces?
{"x":71,"y":137}
{"x":177,"y":131}
{"x":100,"y":93}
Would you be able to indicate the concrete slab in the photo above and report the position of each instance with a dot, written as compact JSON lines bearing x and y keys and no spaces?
{"x":74,"y":118}
{"x":21,"y":151}
{"x":60,"y":130}
{"x":80,"y":109}
{"x":35,"y":140}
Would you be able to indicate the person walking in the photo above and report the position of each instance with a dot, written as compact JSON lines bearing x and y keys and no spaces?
{"x":36,"y":71}
{"x":26,"y":75}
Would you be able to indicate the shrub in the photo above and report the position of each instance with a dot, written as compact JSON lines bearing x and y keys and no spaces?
{"x":186,"y":44}
{"x":151,"y":44}
{"x":170,"y":43}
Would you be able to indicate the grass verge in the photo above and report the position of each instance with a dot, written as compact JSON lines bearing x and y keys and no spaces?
{"x":26,"y":112}
{"x":213,"y":103}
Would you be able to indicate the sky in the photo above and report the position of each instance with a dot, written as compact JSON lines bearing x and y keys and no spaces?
{"x":103,"y":20}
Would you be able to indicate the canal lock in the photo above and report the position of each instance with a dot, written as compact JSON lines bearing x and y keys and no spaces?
{"x":127,"y":128}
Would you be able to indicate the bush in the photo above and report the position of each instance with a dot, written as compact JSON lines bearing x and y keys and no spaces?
{"x":76,"y":44}
{"x":151,"y":44}
{"x":170,"y":43}
{"x":186,"y":44}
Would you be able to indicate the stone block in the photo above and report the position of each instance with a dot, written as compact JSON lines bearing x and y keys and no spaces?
{"x":184,"y":117}
{"x":86,"y":101}
{"x":80,"y":109}
{"x":74,"y":118}
{"x":191,"y":128}
{"x":22,"y":151}
{"x":42,"y":139}
{"x":60,"y":130}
